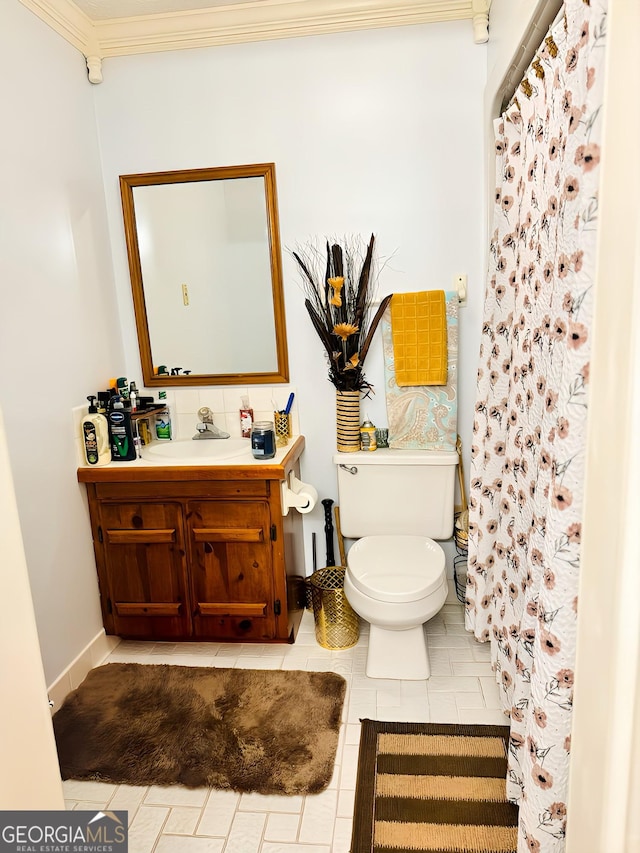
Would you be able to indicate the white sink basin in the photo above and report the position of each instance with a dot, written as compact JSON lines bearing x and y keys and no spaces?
{"x":205,"y":451}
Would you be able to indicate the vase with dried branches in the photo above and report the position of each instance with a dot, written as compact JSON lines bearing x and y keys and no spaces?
{"x":339,"y":299}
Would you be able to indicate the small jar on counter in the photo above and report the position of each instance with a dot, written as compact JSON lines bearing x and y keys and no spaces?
{"x":263,"y":440}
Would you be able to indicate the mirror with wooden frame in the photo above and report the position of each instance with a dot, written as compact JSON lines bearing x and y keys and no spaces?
{"x":206,"y":275}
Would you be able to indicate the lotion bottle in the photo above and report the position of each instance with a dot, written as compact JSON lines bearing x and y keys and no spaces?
{"x":95,"y":436}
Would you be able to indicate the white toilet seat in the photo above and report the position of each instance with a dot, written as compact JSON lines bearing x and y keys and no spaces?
{"x":396,"y":568}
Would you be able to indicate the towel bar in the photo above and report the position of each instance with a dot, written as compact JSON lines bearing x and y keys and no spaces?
{"x":460,"y":286}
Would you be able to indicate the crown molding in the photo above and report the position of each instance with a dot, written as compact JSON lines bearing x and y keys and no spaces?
{"x":266,"y":19}
{"x":67,"y":20}
{"x":480,"y":12}
{"x":256,"y":20}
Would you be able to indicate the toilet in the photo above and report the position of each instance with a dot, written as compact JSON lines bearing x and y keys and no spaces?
{"x":395,"y":503}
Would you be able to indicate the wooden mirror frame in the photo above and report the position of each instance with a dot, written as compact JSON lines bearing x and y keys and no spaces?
{"x":127,"y":185}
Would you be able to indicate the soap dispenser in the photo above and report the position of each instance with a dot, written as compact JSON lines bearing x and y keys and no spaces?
{"x":164,"y":431}
{"x":95,"y":436}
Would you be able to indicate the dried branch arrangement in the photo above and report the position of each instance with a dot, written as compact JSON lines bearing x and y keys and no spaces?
{"x":338,"y":296}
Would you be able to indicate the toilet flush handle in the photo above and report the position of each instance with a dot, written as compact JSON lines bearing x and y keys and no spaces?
{"x":350,"y":468}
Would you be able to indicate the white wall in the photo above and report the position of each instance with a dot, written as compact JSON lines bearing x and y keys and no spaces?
{"x":59,"y":335}
{"x":377,"y":131}
{"x":26,"y":733}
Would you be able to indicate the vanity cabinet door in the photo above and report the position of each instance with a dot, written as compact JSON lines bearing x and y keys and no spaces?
{"x":146,"y":570}
{"x":231,"y":571}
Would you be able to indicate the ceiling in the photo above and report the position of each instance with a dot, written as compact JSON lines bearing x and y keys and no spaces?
{"x":103,"y":28}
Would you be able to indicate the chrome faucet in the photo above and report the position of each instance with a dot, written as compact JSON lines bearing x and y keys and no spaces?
{"x":206,"y":427}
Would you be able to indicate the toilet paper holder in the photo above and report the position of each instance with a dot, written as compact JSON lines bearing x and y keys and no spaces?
{"x":297,"y":495}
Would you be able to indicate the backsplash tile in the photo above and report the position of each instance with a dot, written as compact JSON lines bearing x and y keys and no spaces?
{"x":224,"y":402}
{"x":233,"y":398}
{"x":263,"y":397}
{"x":186,"y":402}
{"x":77,"y":413}
{"x":213,"y":398}
{"x":185,"y":425}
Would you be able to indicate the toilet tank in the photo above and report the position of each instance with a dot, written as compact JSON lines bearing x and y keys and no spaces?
{"x":401,"y":492}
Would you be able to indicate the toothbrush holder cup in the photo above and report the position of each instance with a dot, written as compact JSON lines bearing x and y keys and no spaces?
{"x":282,"y":423}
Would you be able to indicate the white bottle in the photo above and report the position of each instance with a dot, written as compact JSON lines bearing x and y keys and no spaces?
{"x":95,"y":437}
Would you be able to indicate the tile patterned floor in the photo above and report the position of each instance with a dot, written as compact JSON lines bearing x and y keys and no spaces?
{"x":179,"y":820}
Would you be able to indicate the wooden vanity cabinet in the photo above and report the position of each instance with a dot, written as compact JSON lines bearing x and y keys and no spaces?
{"x":232,"y":578}
{"x":143,"y":552}
{"x":191,"y":553}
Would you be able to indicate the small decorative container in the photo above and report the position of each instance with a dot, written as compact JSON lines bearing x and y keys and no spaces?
{"x":282,"y":423}
{"x":263,"y":440}
{"x":368,"y":436}
{"x":382,"y":437}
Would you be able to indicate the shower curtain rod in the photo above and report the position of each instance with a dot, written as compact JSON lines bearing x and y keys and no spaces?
{"x":546,"y":16}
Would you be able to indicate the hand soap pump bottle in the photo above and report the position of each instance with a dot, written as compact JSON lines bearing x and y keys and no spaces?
{"x":246,"y":418}
{"x":95,"y":436}
{"x":163,"y":419}
{"x":123,"y":448}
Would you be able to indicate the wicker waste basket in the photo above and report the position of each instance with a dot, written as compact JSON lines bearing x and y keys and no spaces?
{"x":337,"y":625}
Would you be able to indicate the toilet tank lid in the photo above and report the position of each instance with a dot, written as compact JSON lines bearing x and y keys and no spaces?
{"x":392,"y":456}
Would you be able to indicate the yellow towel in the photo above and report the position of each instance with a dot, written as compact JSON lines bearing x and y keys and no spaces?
{"x":419,"y":333}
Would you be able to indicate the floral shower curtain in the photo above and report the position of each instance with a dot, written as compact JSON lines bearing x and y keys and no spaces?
{"x":528,"y":448}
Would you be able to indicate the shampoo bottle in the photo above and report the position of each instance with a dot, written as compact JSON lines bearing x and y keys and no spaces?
{"x":95,"y":436}
{"x":123,"y":447}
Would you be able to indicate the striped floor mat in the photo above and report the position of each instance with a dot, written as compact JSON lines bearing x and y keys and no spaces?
{"x":433,"y":788}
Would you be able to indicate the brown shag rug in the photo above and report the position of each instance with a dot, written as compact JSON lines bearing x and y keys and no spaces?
{"x":429,"y":788}
{"x":266,"y":731}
